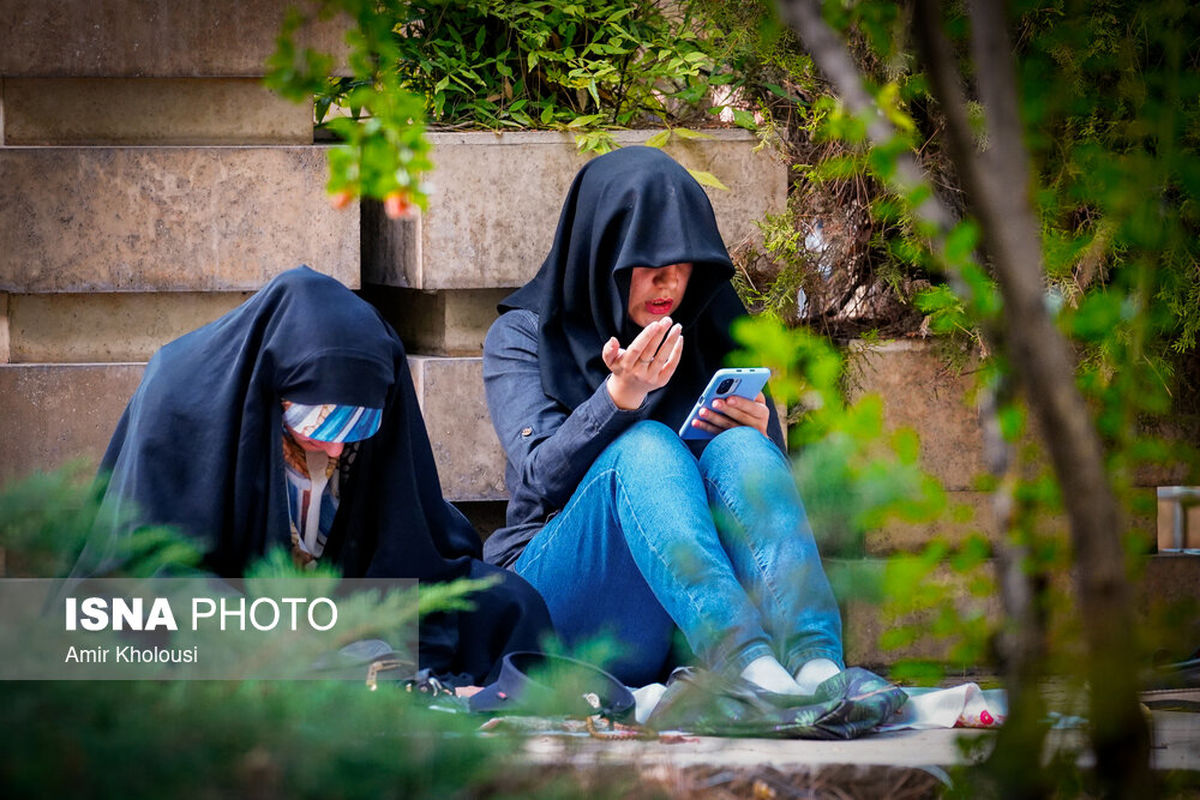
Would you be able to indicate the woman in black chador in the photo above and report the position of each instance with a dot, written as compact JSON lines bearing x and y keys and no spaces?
{"x":292,"y":422}
{"x":622,"y":526}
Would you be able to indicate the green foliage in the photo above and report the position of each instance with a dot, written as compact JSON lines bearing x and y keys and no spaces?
{"x":543,"y":64}
{"x":46,"y":518}
{"x":852,"y":474}
{"x":550,"y":63}
{"x":188,"y":738}
{"x":198,"y":739}
{"x":383,"y":152}
{"x":1114,"y":152}
{"x":872,"y":247}
{"x":856,"y":477}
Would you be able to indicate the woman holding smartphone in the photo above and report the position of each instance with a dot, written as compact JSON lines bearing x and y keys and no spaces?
{"x":624,"y":528}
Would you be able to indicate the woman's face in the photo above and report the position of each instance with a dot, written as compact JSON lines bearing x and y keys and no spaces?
{"x":654,"y":292}
{"x":331,"y":449}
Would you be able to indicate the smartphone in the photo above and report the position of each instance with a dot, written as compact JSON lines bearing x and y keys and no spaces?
{"x":743,"y":382}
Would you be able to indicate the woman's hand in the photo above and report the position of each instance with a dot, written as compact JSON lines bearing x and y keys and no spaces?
{"x":734,"y":411}
{"x":647,"y":364}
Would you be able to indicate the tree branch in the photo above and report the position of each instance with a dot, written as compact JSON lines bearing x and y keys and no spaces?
{"x":998,"y":184}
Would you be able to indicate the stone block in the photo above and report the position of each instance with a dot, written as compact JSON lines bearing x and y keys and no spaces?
{"x":449,"y":323}
{"x":128,"y":326}
{"x":1179,"y":431}
{"x":53,"y":413}
{"x":110,"y":219}
{"x":5,"y":336}
{"x":968,"y":513}
{"x":150,"y":38}
{"x":469,"y":458}
{"x":497,"y":201}
{"x":147,"y":111}
{"x":858,"y":584}
{"x":1178,"y":515}
{"x":1166,"y":593}
{"x":971,"y":512}
{"x":921,"y":391}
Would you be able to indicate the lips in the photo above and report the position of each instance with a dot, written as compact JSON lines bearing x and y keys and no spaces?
{"x":660,"y":305}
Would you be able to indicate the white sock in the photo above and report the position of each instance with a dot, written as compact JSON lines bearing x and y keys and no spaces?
{"x":767,"y":673}
{"x":814,"y":673}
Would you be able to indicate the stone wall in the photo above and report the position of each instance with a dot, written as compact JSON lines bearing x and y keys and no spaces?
{"x":149,"y":182}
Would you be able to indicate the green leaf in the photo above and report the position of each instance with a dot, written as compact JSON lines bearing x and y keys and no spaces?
{"x":907,"y":445}
{"x":779,"y":91}
{"x":659,"y":139}
{"x":688,"y":133}
{"x":1097,"y":316}
{"x":897,"y":638}
{"x":961,"y":242}
{"x":744,"y":119}
{"x":708,"y":179}
{"x":585,"y":120}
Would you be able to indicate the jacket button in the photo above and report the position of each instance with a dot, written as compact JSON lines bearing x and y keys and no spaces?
{"x":527,"y":431}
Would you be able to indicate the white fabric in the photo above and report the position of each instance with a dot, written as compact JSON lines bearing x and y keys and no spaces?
{"x":318,"y":463}
{"x":766,"y":672}
{"x":646,"y":698}
{"x":965,"y":706}
{"x":814,"y":673}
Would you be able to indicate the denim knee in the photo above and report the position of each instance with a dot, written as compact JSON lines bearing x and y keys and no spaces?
{"x":648,"y":442}
{"x":740,"y":449}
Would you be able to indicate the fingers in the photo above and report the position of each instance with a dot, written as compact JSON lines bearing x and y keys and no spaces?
{"x":670,"y":343}
{"x":734,"y":411}
{"x":715,"y":421}
{"x":673,"y":350}
{"x":646,"y":343}
{"x":611,"y":352}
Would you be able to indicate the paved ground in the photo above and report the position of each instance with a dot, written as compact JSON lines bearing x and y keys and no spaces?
{"x":908,"y":763}
{"x":1176,"y":746}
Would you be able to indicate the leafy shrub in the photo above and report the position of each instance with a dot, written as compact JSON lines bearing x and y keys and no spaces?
{"x":552,"y":64}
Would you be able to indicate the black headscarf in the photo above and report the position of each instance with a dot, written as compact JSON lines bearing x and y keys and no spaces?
{"x":633,"y":207}
{"x":200,"y":447}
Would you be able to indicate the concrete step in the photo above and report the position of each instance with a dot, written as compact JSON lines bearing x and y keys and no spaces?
{"x":498,"y":197}
{"x":929,"y":396}
{"x":469,"y":458}
{"x":971,"y":513}
{"x":933,"y":392}
{"x":450,"y":391}
{"x":55,"y":410}
{"x":106,"y":327}
{"x":450,"y":323}
{"x":153,"y":38}
{"x":115,"y":219}
{"x":51,"y":414}
{"x":1167,"y":594}
{"x":149,"y":111}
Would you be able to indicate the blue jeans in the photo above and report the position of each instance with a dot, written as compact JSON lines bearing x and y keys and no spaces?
{"x":653,"y":538}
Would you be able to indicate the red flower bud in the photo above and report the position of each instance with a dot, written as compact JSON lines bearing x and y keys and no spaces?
{"x":397,"y":206}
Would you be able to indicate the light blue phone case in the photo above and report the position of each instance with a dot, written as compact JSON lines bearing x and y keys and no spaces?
{"x":745,"y":382}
